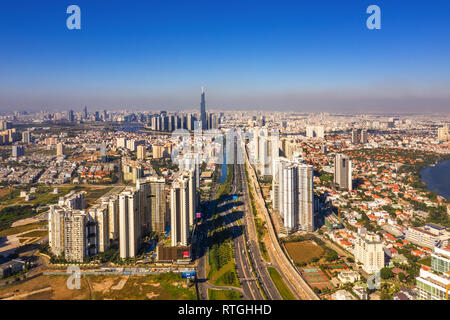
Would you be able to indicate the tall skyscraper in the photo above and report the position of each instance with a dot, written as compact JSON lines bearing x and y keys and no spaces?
{"x":266,"y":150}
{"x":70,"y":116}
{"x":315,"y":132}
{"x":364,"y":136}
{"x":113,"y":216}
{"x":140,"y":152}
{"x":129,"y":224}
{"x":17,"y":152}
{"x":190,"y":175}
{"x":26,"y":137}
{"x":143,"y":185}
{"x":59,"y":149}
{"x":75,"y":235}
{"x":179,"y":211}
{"x":158,"y":204}
{"x":203,"y":111}
{"x":443,"y":134}
{"x":293,"y":195}
{"x":355,"y":136}
{"x":103,"y":156}
{"x":343,"y":172}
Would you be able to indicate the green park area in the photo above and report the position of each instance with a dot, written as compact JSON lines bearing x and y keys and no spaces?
{"x":284,"y":291}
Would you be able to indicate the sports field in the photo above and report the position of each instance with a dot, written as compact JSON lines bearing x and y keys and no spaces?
{"x":304,"y":251}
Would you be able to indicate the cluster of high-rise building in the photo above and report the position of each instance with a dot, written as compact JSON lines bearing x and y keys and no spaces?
{"x":171,"y":122}
{"x":76,"y":232}
{"x":266,"y":149}
{"x":315,"y":132}
{"x":359,"y":136}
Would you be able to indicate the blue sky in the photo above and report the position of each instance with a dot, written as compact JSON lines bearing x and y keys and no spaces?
{"x":295,"y":55}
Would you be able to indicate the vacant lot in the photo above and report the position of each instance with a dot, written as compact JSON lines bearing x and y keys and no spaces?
{"x":304,"y":252}
{"x":54,"y":287}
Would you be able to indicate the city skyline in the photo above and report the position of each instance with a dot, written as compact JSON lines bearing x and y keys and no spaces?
{"x":302,"y":56}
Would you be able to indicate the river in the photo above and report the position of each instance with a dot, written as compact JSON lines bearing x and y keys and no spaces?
{"x":437,"y":178}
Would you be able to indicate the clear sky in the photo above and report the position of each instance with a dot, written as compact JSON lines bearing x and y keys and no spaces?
{"x":303,"y":55}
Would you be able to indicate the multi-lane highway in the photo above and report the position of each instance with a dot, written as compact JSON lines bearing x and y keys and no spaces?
{"x":243,"y":266}
{"x":294,"y":279}
{"x":251,"y":269}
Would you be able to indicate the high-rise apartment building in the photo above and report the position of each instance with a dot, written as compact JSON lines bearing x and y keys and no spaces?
{"x":158,"y":204}
{"x":113,"y":216}
{"x":17,"y":152}
{"x":293,"y":195}
{"x":143,"y":186}
{"x":103,"y":155}
{"x":179,"y":211}
{"x":343,"y":172}
{"x":434,"y":283}
{"x":355,"y":139}
{"x":140,"y":152}
{"x":364,"y":136}
{"x":192,"y":193}
{"x":121,"y":143}
{"x":266,"y":150}
{"x":73,"y":200}
{"x":369,"y":252}
{"x":26,"y":137}
{"x":131,"y":145}
{"x":443,"y":134}
{"x":315,"y":132}
{"x":99,"y":213}
{"x":132,"y":170}
{"x":56,"y":230}
{"x":75,"y":235}
{"x":60,"y":149}
{"x":129,"y":223}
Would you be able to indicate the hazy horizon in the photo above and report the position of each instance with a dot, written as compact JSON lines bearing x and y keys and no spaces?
{"x":304,"y":56}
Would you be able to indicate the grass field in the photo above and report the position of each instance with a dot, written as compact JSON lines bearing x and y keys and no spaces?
{"x":158,"y":287}
{"x":36,"y":233}
{"x":218,"y":277}
{"x":284,"y":291}
{"x":304,"y":251}
{"x":20,"y":229}
{"x":44,"y":195}
{"x":223,"y":295}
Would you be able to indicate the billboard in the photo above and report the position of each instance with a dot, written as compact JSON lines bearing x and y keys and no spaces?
{"x":188,"y":274}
